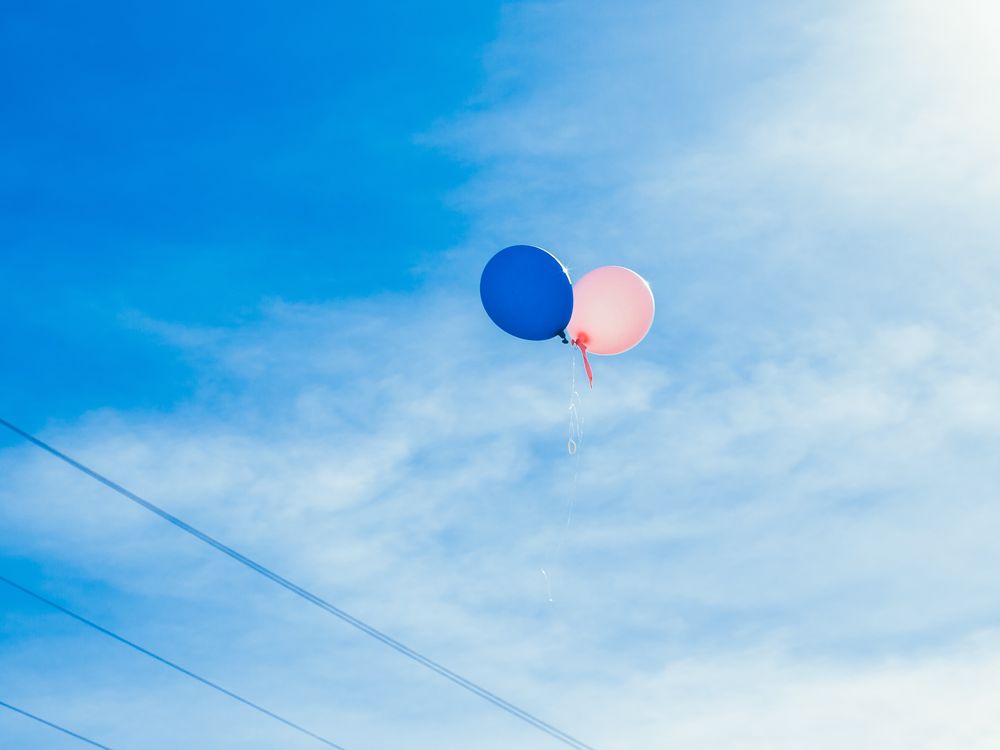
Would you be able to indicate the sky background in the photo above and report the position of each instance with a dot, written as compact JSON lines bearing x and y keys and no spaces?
{"x":239,"y":274}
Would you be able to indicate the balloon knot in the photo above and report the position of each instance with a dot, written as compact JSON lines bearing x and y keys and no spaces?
{"x":562,"y":335}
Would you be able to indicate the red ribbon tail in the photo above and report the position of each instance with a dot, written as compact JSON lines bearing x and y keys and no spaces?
{"x":586,"y":362}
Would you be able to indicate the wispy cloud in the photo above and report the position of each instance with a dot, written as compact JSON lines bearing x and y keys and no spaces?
{"x":783,"y":510}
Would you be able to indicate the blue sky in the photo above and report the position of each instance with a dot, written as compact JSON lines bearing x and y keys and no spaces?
{"x":239,"y":274}
{"x":187,"y":162}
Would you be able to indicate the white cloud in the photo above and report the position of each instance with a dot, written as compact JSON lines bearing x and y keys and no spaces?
{"x":785,"y":502}
{"x":768,"y":700}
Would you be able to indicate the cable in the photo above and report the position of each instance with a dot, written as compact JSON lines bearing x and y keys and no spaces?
{"x":364,"y":627}
{"x":168,"y":663}
{"x":64,"y":730}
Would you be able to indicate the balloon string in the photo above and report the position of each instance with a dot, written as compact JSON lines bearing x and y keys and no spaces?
{"x":575,"y":429}
{"x":586,"y":362}
{"x":573,"y":442}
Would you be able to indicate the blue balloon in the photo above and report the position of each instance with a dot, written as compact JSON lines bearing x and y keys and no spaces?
{"x":527,"y":292}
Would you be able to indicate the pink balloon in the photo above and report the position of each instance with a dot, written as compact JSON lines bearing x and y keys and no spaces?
{"x":612,"y":310}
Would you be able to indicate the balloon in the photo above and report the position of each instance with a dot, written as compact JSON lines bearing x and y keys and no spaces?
{"x":612,"y":310}
{"x":527,"y":292}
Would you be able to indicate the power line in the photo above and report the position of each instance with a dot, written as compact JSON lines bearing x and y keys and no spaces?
{"x":350,"y":619}
{"x":167,"y":662}
{"x":64,"y":730}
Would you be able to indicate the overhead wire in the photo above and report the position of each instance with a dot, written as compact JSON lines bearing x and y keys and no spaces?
{"x":308,"y":596}
{"x":168,"y":663}
{"x":52,"y":725}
